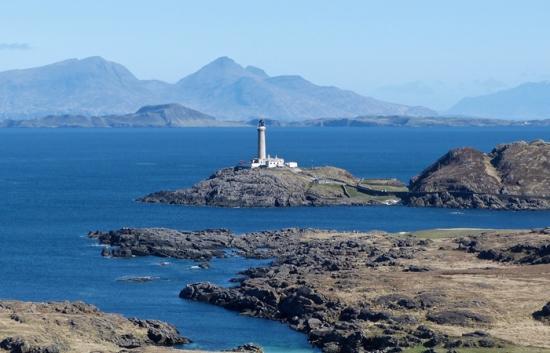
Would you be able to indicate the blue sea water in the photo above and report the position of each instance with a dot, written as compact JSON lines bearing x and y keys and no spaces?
{"x":56,"y":185}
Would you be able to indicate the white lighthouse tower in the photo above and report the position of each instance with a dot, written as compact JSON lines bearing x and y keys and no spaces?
{"x":264,"y":160}
{"x":261,"y":140}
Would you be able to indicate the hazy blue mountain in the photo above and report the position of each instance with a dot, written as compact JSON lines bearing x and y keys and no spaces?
{"x":90,"y":86}
{"x":527,"y":101}
{"x":439,"y":95}
{"x":223,"y":88}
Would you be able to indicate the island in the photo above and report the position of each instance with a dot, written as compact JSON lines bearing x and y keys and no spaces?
{"x":76,"y":327}
{"x":514,"y":176}
{"x":274,"y":187}
{"x":273,"y":182}
{"x":443,"y":289}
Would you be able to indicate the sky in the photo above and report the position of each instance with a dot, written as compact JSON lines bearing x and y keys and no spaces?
{"x":408,"y":50}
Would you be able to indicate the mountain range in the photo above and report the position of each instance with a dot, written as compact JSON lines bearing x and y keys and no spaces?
{"x":527,"y":101}
{"x":223,"y":88}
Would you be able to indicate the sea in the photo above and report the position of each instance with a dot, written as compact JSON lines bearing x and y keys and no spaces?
{"x":58,"y":184}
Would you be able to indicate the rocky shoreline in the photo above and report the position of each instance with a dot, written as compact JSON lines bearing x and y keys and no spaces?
{"x":57,"y":327}
{"x":359,"y":292}
{"x":77,"y":327}
{"x":512,"y":176}
{"x":277,"y":187}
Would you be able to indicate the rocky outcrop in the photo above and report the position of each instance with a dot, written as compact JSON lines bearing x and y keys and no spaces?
{"x":318,"y":285}
{"x":543,"y":314}
{"x":359,"y":292}
{"x":198,"y":245}
{"x":277,"y":187}
{"x":77,"y":327}
{"x":513,"y":176}
{"x":247,"y":348}
{"x":528,"y":248}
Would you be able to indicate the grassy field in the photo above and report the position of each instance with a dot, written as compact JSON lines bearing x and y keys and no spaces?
{"x":453,"y":232}
{"x":387,"y":185}
{"x":337,"y":189}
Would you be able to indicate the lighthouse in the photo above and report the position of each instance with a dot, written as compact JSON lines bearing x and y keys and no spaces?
{"x":264,"y":160}
{"x":261,"y":140}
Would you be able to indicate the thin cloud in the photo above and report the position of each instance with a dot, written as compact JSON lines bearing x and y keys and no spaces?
{"x":14,"y":46}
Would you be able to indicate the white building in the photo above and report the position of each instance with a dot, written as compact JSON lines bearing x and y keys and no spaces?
{"x":264,"y":160}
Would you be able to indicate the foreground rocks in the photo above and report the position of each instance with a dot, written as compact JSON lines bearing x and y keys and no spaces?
{"x":78,"y":327}
{"x":358,"y":292}
{"x":543,"y":314}
{"x":162,"y":242}
{"x":533,"y":249}
{"x":352,"y":292}
{"x":513,"y":176}
{"x":277,"y":187}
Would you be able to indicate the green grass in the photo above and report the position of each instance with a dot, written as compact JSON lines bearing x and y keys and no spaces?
{"x":337,"y":189}
{"x":354,"y":193}
{"x":383,"y":185}
{"x":386,"y":188}
{"x":454,"y":232}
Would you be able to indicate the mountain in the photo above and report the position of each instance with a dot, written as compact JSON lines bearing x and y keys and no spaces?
{"x":527,"y":101}
{"x":223,"y":88}
{"x":90,"y":86}
{"x":439,"y":95}
{"x":166,"y":115}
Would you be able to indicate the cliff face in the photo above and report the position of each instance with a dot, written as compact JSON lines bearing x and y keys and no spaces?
{"x":512,"y":176}
{"x":278,"y":187}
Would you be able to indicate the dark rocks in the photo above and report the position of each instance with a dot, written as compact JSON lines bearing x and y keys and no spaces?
{"x":543,"y":314}
{"x":247,"y":348}
{"x":260,"y":187}
{"x":19,"y":345}
{"x":198,"y":245}
{"x":137,"y":279}
{"x":397,"y":301}
{"x":457,"y":317}
{"x":161,"y":333}
{"x":527,"y":248}
{"x":513,"y":176}
{"x":68,"y":326}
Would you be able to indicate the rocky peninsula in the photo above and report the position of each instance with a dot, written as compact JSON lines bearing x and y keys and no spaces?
{"x":376,"y":291}
{"x":273,"y":187}
{"x":512,"y":176}
{"x":76,"y":327}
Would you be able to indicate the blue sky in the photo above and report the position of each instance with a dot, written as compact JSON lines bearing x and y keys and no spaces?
{"x":359,"y":45}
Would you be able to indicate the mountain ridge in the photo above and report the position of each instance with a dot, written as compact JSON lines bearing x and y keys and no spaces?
{"x":529,"y":100}
{"x":223,"y":88}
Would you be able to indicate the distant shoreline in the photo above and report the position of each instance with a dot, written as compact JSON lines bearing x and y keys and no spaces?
{"x":130,"y":122}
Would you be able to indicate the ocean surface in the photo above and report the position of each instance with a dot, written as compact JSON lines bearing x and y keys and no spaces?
{"x":56,"y":185}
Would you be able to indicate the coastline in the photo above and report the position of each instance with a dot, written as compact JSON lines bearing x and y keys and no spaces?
{"x":302,"y":261}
